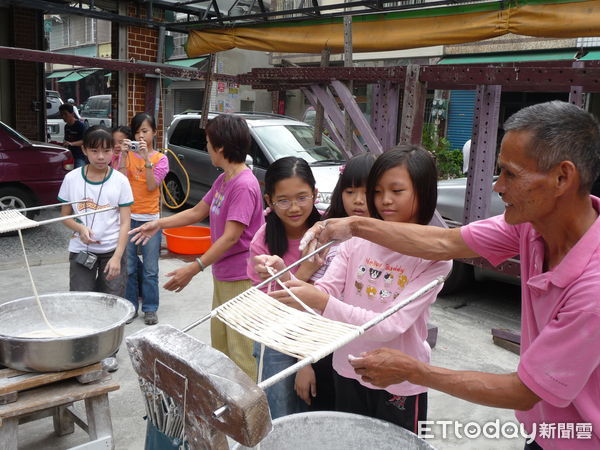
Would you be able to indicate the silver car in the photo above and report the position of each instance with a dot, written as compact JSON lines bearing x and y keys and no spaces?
{"x":97,"y":111}
{"x":451,"y":200}
{"x":451,"y":206}
{"x":273,"y":137}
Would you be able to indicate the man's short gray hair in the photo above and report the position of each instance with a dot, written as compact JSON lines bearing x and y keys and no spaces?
{"x":561,"y":132}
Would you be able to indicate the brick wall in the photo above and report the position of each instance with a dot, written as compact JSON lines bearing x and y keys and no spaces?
{"x":142,"y":45}
{"x":28,"y":76}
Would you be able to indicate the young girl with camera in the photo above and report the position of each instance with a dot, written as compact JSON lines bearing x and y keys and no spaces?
{"x":145,"y":168}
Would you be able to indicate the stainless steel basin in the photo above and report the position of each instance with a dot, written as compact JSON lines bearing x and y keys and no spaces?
{"x":102,"y":315}
{"x":333,"y":430}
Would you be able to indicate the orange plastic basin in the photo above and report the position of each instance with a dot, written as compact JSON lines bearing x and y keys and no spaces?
{"x":189,"y":240}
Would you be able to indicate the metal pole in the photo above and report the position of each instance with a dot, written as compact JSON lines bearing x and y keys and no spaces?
{"x":325,"y":54}
{"x":207,"y":89}
{"x":348,"y":132}
{"x":159,"y":59}
{"x":264,"y":283}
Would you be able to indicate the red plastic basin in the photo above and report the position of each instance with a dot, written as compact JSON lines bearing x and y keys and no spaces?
{"x":189,"y":240}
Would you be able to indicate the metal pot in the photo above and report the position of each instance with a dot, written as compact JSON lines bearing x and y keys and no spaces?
{"x":104,"y":315}
{"x":337,"y":431}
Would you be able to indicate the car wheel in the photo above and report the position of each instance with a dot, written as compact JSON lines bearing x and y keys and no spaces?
{"x":459,"y":278}
{"x":173,"y":185}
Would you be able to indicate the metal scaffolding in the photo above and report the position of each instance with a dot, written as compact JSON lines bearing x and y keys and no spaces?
{"x":226,"y":13}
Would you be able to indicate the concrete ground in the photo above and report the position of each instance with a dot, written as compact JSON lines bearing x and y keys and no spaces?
{"x":464,"y":342}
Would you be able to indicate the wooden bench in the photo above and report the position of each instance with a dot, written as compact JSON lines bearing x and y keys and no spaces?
{"x":56,"y":400}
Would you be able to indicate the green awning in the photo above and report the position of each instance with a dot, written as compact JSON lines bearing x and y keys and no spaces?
{"x":60,"y":74}
{"x":510,"y":57}
{"x":592,"y":55}
{"x":76,"y":76}
{"x":185,"y":62}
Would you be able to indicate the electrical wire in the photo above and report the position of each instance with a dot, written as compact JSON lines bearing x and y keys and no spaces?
{"x":164,"y":192}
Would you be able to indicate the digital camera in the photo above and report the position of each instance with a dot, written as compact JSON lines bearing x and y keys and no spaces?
{"x":134,"y":146}
{"x":86,"y":259}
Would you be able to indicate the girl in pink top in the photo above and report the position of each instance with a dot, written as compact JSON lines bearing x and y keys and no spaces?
{"x":290,"y":194}
{"x":365,"y":279}
{"x":314,"y":383}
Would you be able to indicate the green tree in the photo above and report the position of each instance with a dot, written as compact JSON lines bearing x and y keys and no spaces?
{"x":449,"y":162}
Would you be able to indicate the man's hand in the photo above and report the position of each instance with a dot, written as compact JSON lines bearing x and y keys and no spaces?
{"x":384,"y":366}
{"x":327,"y":230}
{"x":311,"y":296}
{"x":306,"y":384}
{"x":181,"y":277}
{"x":142,"y":234}
{"x":113,"y":268}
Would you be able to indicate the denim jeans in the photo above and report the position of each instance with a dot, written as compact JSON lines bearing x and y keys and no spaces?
{"x":282,"y":397}
{"x":144,"y":281}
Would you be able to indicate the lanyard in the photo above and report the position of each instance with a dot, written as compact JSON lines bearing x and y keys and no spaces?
{"x":85,"y":182}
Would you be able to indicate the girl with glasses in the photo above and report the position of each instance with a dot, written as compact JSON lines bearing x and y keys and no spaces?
{"x":313,"y":384}
{"x":289,"y":194}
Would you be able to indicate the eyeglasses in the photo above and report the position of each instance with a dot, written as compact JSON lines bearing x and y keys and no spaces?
{"x":303,"y":200}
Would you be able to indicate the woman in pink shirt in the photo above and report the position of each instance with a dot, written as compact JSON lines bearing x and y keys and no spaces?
{"x":234,"y":205}
{"x":365,"y":279}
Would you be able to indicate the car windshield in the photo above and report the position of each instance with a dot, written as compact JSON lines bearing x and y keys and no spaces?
{"x":298,"y":140}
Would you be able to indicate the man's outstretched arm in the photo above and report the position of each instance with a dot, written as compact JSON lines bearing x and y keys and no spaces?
{"x":384,"y":366}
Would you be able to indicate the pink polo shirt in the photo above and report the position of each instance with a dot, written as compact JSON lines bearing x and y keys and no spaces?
{"x":560,"y":329}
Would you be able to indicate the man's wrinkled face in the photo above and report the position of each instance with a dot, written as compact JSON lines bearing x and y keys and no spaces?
{"x":526,"y":191}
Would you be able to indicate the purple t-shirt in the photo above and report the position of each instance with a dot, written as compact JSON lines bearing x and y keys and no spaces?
{"x":238,"y":200}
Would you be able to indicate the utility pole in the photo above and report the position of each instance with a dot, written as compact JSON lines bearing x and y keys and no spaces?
{"x":348,"y":125}
{"x":319,"y":113}
{"x":207,"y":89}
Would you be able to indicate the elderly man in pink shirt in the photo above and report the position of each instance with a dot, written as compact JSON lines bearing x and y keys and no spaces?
{"x":549,"y":158}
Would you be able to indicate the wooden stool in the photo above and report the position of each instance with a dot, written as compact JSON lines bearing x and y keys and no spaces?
{"x":55,"y":400}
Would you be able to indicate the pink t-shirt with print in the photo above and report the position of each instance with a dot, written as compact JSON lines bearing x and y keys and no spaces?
{"x":238,"y":200}
{"x":365,"y":279}
{"x":560,"y":329}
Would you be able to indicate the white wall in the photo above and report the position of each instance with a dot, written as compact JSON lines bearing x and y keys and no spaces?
{"x":227,"y":97}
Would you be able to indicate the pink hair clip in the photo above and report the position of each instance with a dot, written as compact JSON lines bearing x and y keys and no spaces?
{"x":342,"y":168}
{"x":267,"y":211}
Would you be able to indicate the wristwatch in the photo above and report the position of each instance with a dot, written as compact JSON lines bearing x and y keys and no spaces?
{"x":148,"y":165}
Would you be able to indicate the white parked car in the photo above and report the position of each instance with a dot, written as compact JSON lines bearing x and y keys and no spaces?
{"x":273,"y":137}
{"x":55,"y":125}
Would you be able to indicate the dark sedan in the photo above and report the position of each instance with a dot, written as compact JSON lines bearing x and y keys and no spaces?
{"x":30,"y":172}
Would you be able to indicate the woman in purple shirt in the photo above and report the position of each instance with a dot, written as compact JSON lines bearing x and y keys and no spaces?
{"x":234,"y":206}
